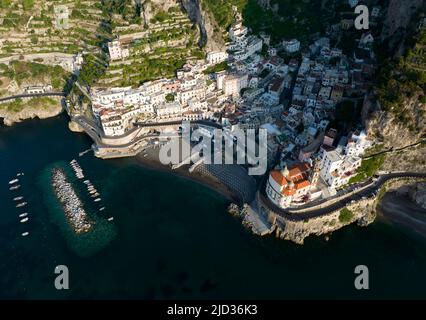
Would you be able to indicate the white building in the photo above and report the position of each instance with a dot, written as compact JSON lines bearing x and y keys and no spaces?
{"x":357,"y":144}
{"x":286,"y":186}
{"x":117,"y":51}
{"x":216,"y":57}
{"x":291,"y":46}
{"x":337,"y":168}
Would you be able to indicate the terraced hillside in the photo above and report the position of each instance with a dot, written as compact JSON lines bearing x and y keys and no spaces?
{"x":64,"y":26}
{"x":159,"y":45}
{"x":40,"y":40}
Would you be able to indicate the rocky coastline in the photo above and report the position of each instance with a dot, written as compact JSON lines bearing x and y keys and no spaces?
{"x":10,"y":116}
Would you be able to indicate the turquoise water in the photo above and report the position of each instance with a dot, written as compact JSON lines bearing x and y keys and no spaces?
{"x":174,"y":239}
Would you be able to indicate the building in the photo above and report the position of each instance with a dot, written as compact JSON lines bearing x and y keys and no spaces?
{"x":117,"y":51}
{"x":330,"y":137}
{"x":357,"y":144}
{"x":61,"y":14}
{"x":288,"y":186}
{"x":216,"y":57}
{"x":233,"y":84}
{"x":291,"y":46}
{"x":337,"y":168}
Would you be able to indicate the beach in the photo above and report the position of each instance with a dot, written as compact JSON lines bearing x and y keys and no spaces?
{"x":150,"y":159}
{"x":401,"y":210}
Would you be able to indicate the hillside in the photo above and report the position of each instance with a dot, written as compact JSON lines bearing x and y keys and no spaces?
{"x":399,"y":116}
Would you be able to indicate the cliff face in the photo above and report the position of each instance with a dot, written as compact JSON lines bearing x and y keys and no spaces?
{"x":211,"y":35}
{"x":152,"y":7}
{"x":398,"y":118}
{"x":33,"y":109}
{"x":385,"y":126}
{"x":398,"y":17}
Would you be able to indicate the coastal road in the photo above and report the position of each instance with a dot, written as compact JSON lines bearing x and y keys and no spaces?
{"x":33,"y":95}
{"x":338,"y":205}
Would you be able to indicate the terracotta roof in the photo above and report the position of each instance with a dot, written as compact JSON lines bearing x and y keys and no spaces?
{"x":288,"y":192}
{"x":297,"y":172}
{"x":279,"y":178}
{"x":302,"y":184}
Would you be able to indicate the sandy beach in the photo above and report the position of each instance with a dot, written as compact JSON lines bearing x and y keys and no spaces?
{"x":150,"y":159}
{"x":400,"y":210}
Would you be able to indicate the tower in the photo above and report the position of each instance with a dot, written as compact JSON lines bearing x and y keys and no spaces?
{"x":315,"y":172}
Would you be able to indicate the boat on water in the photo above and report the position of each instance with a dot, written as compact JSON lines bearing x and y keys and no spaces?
{"x":14,"y":187}
{"x":98,"y":199}
{"x":111,"y":219}
{"x":95,"y":195}
{"x":102,"y":209}
{"x":24,"y":234}
{"x":22,"y":204}
{"x":18,"y":198}
{"x":24,"y":220}
{"x":86,"y":181}
{"x":13,"y":181}
{"x":23,"y":215}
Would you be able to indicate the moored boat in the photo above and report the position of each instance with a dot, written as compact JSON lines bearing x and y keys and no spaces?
{"x":13,"y":181}
{"x":24,"y":220}
{"x":24,"y":234}
{"x":14,"y":187}
{"x":23,"y":215}
{"x":22,"y":204}
{"x":18,"y":198}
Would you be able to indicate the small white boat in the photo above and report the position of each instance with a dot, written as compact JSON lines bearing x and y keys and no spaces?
{"x":24,"y":220}
{"x":98,"y":199}
{"x":24,"y":234}
{"x":18,"y":198}
{"x":22,"y":204}
{"x":111,"y":219}
{"x":13,"y":181}
{"x":102,"y":209}
{"x":23,"y":215}
{"x":86,"y":181}
{"x":14,"y":187}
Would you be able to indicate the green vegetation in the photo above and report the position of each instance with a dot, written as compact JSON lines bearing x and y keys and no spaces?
{"x":345,"y":215}
{"x":36,"y":72}
{"x":222,"y":10}
{"x":91,"y":70}
{"x":368,"y":168}
{"x":293,"y":19}
{"x":217,"y":68}
{"x":161,"y":16}
{"x":125,"y":8}
{"x":403,"y":80}
{"x":170,"y":97}
{"x":28,"y":4}
{"x":18,"y":105}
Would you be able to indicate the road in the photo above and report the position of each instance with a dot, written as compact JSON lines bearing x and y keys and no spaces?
{"x":33,"y":95}
{"x":366,"y":193}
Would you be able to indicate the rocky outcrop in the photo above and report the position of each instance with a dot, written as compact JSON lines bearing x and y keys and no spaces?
{"x":211,"y":35}
{"x":398,"y":18}
{"x":418,"y":195}
{"x":75,"y":127}
{"x":30,"y":112}
{"x":384,"y":126}
{"x":416,"y":192}
{"x":151,"y":7}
